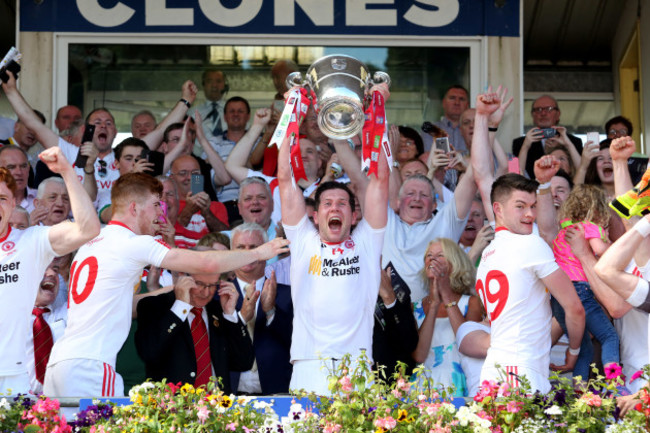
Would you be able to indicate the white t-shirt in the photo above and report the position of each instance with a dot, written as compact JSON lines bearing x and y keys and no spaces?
{"x":471,"y":366}
{"x":517,"y":303}
{"x":24,"y":256}
{"x":105,"y":178}
{"x":632,"y":330}
{"x":404,"y":245}
{"x":102,"y":280}
{"x":334,"y":289}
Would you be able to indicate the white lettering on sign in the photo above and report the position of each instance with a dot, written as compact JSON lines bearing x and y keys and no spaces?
{"x":242,"y":14}
{"x":158,"y":14}
{"x":356,"y":13}
{"x":321,"y":12}
{"x":105,"y":17}
{"x":446,"y":13}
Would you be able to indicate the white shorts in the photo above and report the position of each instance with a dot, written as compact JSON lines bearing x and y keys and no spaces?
{"x":14,"y":384}
{"x":313,"y":374}
{"x":511,"y":374}
{"x":82,"y":378}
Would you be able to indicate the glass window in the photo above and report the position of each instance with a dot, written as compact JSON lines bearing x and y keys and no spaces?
{"x":129,"y":78}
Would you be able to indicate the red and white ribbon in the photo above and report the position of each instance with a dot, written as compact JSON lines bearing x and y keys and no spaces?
{"x":375,"y":136}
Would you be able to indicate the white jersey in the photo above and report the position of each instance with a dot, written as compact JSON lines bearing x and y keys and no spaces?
{"x":518,"y":305}
{"x":334,"y":288}
{"x":24,"y":256}
{"x":632,"y":330}
{"x":406,"y":244}
{"x":102,"y":277}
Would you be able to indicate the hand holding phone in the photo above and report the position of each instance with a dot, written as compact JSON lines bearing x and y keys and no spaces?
{"x":442,"y":143}
{"x":594,"y":137}
{"x":89,"y":134}
{"x":197,"y":183}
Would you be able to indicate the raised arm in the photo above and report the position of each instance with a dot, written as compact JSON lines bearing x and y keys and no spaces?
{"x":611,"y":266}
{"x":621,"y":150}
{"x":481,"y":155}
{"x":545,"y":168}
{"x":26,"y":114}
{"x":196,"y":262}
{"x":493,"y":122}
{"x":291,"y":198}
{"x":236,"y":164}
{"x":67,"y":236}
{"x":188,"y":93}
{"x":376,"y":200}
{"x":221,"y":176}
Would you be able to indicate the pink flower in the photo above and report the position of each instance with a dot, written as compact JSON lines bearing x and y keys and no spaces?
{"x":232,"y":426}
{"x":331,"y":428}
{"x":591,"y":399}
{"x":504,"y":389}
{"x":346,"y":384}
{"x":514,"y":406}
{"x":612,"y":371}
{"x":636,"y":375}
{"x":387,"y":423}
{"x":403,"y":385}
{"x":396,"y":393}
{"x":202,"y":414}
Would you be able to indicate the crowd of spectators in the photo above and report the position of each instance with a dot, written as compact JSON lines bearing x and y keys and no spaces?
{"x":432,"y":223}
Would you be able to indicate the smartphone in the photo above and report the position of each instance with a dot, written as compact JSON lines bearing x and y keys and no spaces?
{"x":513,"y":165}
{"x":89,"y":134}
{"x":158,"y":161}
{"x":594,"y":137}
{"x":442,"y":143}
{"x":197,"y":183}
{"x":548,"y":132}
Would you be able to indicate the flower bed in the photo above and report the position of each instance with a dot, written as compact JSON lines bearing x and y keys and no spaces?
{"x":360,"y":402}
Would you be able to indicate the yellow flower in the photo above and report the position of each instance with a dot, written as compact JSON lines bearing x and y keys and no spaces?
{"x":225,"y":402}
{"x":187,"y":389}
{"x":402,"y":415}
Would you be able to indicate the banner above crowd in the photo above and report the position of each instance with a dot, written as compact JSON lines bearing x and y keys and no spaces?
{"x":276,"y":17}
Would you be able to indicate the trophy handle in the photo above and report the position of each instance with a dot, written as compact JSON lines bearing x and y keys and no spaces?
{"x":294,"y":79}
{"x":381,"y":77}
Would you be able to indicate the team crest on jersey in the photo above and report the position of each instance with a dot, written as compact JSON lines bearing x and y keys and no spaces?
{"x":8,"y":246}
{"x":349,"y":244}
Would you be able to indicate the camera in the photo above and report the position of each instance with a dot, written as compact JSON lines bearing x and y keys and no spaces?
{"x":10,"y":63}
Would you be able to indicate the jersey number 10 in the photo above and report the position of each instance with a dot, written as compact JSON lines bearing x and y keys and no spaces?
{"x":75,"y":272}
{"x":497,"y":299}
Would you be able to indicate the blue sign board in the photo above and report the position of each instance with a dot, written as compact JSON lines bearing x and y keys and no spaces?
{"x":276,"y":17}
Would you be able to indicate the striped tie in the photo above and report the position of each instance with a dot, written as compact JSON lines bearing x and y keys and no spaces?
{"x":201,"y":348}
{"x":42,"y":342}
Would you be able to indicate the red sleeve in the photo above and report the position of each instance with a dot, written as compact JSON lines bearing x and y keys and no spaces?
{"x":219,"y":210}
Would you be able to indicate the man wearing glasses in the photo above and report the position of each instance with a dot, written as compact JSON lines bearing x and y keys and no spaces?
{"x":172,"y":328}
{"x":545,"y":114}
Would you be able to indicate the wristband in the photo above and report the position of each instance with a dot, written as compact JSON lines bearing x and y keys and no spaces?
{"x":490,"y":129}
{"x":451,"y":304}
{"x":640,"y":293}
{"x":545,"y":185}
{"x":574,"y":352}
{"x":643,"y":227}
{"x":186,"y":102}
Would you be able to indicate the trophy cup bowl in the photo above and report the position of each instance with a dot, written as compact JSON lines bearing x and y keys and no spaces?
{"x":340,"y":84}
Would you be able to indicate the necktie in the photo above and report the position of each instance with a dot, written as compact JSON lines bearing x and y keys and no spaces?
{"x":216,"y":119}
{"x":201,"y":348}
{"x":42,"y":342}
{"x":248,"y":292}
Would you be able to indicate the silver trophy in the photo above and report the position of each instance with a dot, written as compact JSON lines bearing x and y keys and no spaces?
{"x":340,"y":84}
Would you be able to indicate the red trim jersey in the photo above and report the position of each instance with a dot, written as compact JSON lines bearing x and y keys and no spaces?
{"x":24,"y":256}
{"x":102,"y":277}
{"x":334,"y":289}
{"x":508,"y":281}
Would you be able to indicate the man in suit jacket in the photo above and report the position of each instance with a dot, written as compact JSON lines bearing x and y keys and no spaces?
{"x":164,"y":338}
{"x":545,"y":114}
{"x":267,"y":309}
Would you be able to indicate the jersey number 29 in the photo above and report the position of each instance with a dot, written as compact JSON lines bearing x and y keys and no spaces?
{"x":497,"y":298}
